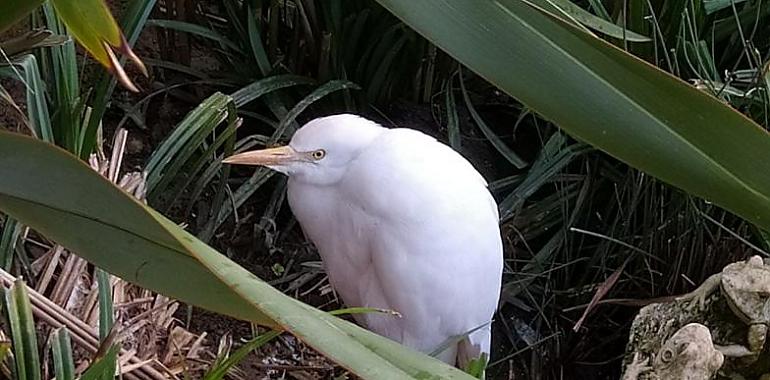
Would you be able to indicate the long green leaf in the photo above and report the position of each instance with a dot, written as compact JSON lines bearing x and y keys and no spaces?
{"x":219,"y":371}
{"x":323,"y":90}
{"x":195,"y":29}
{"x":11,"y":11}
{"x":570,"y":11}
{"x":8,"y":240}
{"x":62,"y":79}
{"x":255,"y":40}
{"x":92,"y":24}
{"x":495,"y":140}
{"x":103,"y":367}
{"x":133,"y":23}
{"x":114,"y":231}
{"x":18,"y":312}
{"x":61,"y":350}
{"x":174,"y":151}
{"x":106,"y":310}
{"x":26,"y":69}
{"x":267,"y":85}
{"x":606,"y":97}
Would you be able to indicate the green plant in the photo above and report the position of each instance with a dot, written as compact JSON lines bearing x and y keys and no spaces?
{"x":575,"y":220}
{"x":115,"y":232}
{"x":24,"y":347}
{"x":637,"y":113}
{"x":573,"y":216}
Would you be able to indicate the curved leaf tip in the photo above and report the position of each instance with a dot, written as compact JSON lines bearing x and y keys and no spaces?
{"x":92,"y":25}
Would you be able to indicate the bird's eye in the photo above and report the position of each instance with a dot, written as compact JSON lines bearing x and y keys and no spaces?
{"x":318,"y":154}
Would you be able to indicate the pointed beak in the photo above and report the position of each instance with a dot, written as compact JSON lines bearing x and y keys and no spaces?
{"x":266,"y":157}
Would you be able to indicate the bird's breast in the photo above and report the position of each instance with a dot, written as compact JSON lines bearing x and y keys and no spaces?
{"x":341,"y":232}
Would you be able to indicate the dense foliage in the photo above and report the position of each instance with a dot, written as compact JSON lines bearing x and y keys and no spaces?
{"x":577,"y":222}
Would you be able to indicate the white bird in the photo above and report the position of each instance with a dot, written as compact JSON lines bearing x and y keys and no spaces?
{"x":401,"y":222}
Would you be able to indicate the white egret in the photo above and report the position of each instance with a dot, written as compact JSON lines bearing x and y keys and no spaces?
{"x":402,"y":222}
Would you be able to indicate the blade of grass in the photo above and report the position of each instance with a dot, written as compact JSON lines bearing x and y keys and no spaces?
{"x":255,"y":41}
{"x":18,"y":313}
{"x":219,"y":197}
{"x":37,"y":106}
{"x":267,"y":85}
{"x":61,"y":350}
{"x":106,"y":310}
{"x":552,"y":159}
{"x":496,"y":141}
{"x":452,"y":122}
{"x":33,"y":39}
{"x":133,"y":23}
{"x":175,"y":149}
{"x":207,"y":157}
{"x":195,"y":29}
{"x":219,"y":371}
{"x":317,"y":94}
{"x":8,"y":241}
{"x":572,"y":12}
{"x":103,"y":367}
{"x":62,"y":77}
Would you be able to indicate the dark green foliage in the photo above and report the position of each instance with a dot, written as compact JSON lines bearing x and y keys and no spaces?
{"x":572,"y":216}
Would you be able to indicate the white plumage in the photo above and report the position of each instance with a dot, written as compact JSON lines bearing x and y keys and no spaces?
{"x":402,"y":222}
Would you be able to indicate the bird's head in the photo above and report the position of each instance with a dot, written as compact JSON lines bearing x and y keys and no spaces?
{"x":319,"y":152}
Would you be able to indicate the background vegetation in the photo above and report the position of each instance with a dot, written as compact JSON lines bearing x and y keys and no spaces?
{"x":587,"y":237}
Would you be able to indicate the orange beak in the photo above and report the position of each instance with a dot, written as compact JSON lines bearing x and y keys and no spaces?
{"x":265,"y":157}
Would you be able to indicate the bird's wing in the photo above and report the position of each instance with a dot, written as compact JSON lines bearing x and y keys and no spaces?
{"x":339,"y":229}
{"x":435,"y":245}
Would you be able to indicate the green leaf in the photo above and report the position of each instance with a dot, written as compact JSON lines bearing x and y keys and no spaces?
{"x":33,"y":39}
{"x":606,"y":97}
{"x":26,"y":69}
{"x":18,"y":313}
{"x":133,"y":23}
{"x":572,"y":12}
{"x":92,"y":24}
{"x":106,"y":311}
{"x":61,"y":350}
{"x":195,"y":29}
{"x":219,"y":371}
{"x":255,"y":40}
{"x":452,"y":122}
{"x":103,"y":367}
{"x":12,"y":11}
{"x":478,"y":366}
{"x":186,"y":138}
{"x":8,"y":240}
{"x":711,"y":6}
{"x":114,"y":231}
{"x":5,"y":349}
{"x":266,"y":86}
{"x":60,"y":72}
{"x":323,"y":90}
{"x":495,"y":140}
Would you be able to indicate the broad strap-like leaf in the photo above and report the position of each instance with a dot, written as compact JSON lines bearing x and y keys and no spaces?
{"x":606,"y":97}
{"x":53,"y":192}
{"x":92,"y":24}
{"x":12,"y":11}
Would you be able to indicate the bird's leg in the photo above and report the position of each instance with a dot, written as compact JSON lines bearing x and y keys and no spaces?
{"x":703,"y":291}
